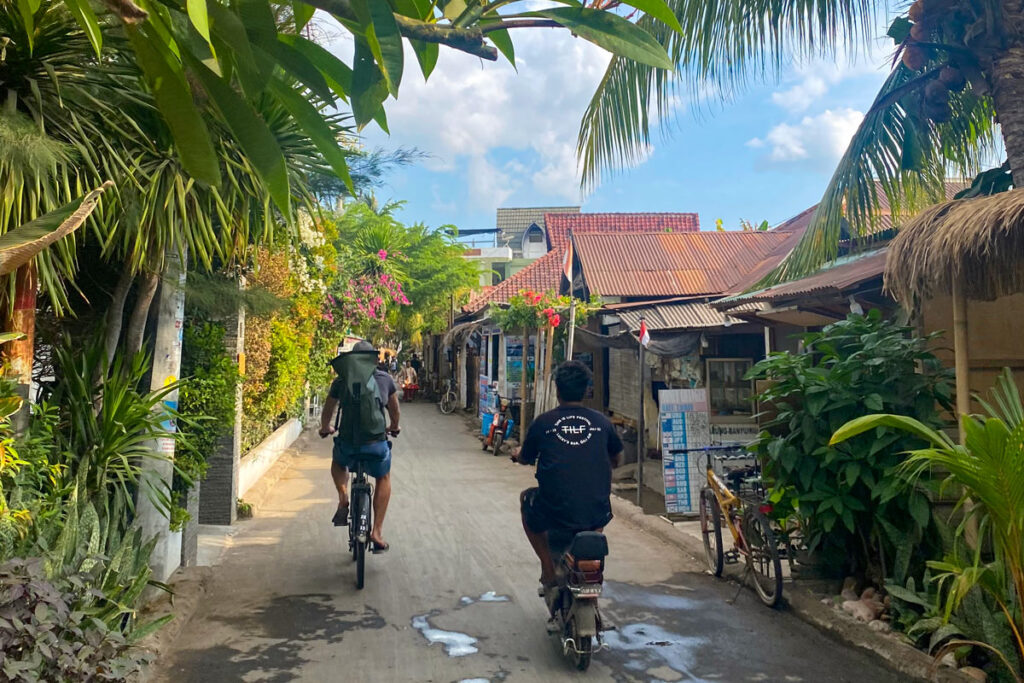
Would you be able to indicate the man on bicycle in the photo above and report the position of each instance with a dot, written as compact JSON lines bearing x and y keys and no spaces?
{"x":575,"y":449}
{"x":345,"y":450}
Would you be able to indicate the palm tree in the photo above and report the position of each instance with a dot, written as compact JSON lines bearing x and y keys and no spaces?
{"x":958,"y":70}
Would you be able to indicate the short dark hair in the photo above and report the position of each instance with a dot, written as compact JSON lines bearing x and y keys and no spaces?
{"x":572,"y":379}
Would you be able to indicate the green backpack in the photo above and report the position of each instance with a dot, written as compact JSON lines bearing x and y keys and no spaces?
{"x":362,"y":406}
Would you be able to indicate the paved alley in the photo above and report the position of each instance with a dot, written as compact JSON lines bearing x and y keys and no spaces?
{"x":455,"y":598}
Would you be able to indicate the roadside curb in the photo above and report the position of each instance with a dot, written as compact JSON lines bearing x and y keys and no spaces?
{"x":258,"y":494}
{"x":189,"y":585}
{"x":898,"y":656}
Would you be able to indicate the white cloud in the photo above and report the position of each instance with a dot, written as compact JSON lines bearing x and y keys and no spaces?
{"x":812,"y":81}
{"x":472,"y":116}
{"x":802,"y":95}
{"x":816,"y":140}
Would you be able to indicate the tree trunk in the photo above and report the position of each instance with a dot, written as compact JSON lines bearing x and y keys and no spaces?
{"x":115,"y":313}
{"x":1008,"y":93}
{"x":140,"y":313}
{"x":21,"y":353}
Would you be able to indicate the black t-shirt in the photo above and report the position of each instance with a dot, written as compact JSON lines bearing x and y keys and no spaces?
{"x":573,"y":447}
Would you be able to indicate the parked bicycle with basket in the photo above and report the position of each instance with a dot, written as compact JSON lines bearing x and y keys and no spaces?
{"x":743,"y":510}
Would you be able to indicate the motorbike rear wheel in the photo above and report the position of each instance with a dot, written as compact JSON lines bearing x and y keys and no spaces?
{"x":584,"y":649}
{"x":499,"y":437}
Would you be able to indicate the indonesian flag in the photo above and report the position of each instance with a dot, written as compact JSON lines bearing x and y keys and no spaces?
{"x":645,"y":336}
{"x":567,"y":270}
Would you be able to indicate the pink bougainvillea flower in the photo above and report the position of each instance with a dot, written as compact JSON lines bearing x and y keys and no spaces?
{"x":382,"y":255}
{"x":548,"y":312}
{"x":555,"y":320}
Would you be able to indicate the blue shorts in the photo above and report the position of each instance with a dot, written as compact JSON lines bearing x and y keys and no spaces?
{"x":376,"y":457}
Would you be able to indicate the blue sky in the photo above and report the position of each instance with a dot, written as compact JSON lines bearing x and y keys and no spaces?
{"x":503,"y":137}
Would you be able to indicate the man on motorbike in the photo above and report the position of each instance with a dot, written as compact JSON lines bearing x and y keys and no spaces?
{"x":575,"y":449}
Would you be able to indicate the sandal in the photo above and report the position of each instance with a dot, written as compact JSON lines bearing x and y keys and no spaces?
{"x":341,"y":516}
{"x":379,"y":548}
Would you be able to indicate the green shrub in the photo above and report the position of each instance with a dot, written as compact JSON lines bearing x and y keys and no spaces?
{"x":849,"y":500}
{"x":48,"y":631}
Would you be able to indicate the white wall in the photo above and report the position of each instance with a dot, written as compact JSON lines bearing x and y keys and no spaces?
{"x":256,"y":462}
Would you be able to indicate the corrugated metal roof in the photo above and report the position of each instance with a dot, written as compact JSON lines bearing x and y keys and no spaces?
{"x":840,"y":275}
{"x":676,"y":316}
{"x":671,"y":264}
{"x":559,"y":225}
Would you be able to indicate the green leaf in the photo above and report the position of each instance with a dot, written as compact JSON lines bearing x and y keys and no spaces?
{"x":503,"y":41}
{"x":385,"y":43}
{"x":200,"y":19}
{"x":852,"y":473}
{"x":899,"y":29}
{"x":299,"y":65}
{"x":174,"y":100}
{"x":368,"y":87}
{"x":657,"y":9}
{"x":28,"y":19}
{"x":426,"y":55}
{"x":611,"y":32}
{"x":907,"y":424}
{"x":252,"y":134}
{"x":81,"y":10}
{"x":228,"y":28}
{"x":337,"y":72}
{"x":920,"y":510}
{"x":316,"y":128}
{"x":873,"y":402}
{"x":302,"y":13}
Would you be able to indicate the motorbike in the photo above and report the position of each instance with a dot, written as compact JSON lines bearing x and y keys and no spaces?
{"x":573,"y":601}
{"x":500,"y":425}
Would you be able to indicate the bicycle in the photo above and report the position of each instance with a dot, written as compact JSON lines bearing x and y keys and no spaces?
{"x":752,"y":533}
{"x":360,"y":508}
{"x":448,"y":398}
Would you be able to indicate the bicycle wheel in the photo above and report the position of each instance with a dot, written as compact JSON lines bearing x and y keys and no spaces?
{"x":763,"y":556}
{"x":711,"y":531}
{"x":499,"y":438}
{"x":360,"y":553}
{"x":448,"y":403}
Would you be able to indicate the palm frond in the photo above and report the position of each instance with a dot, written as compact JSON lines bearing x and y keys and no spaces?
{"x":723,"y":45}
{"x":897,"y":154}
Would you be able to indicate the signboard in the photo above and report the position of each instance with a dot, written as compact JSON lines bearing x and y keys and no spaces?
{"x":514,"y":363}
{"x":733,"y":433}
{"x":683,"y":424}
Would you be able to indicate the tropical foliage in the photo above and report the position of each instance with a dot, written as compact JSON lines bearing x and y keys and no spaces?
{"x":849,"y":499}
{"x":987,"y":472}
{"x":955,"y":73}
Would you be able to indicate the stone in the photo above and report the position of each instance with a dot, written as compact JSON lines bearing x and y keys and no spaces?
{"x":859,"y":610}
{"x":974,"y":673}
{"x":849,"y":591}
{"x":880,"y":626}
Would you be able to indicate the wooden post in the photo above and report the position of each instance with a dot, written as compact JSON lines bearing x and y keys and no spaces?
{"x":572,"y":328}
{"x":548,"y":351}
{"x":523,"y":385}
{"x":641,"y":441}
{"x":960,"y":355}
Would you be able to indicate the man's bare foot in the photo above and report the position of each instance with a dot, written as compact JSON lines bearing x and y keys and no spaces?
{"x":378,"y":545}
{"x":341,"y":515}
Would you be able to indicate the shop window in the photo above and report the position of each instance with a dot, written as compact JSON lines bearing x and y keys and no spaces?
{"x":728,"y":392}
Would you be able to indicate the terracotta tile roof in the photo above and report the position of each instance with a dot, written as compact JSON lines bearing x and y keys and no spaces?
{"x":544,"y":273}
{"x":671,"y":264}
{"x":835,"y":278}
{"x":558,"y":225}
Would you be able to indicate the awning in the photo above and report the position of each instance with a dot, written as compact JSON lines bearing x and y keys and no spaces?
{"x":675,"y":315}
{"x":664,"y":344}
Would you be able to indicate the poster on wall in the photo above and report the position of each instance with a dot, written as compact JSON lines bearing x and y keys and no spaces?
{"x":683,"y":420}
{"x":486,"y":395}
{"x":514,"y":364}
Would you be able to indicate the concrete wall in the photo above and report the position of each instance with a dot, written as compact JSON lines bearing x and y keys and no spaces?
{"x":994,"y":332}
{"x":256,"y":462}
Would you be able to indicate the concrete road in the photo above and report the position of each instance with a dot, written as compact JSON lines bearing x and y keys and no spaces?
{"x":455,"y":598}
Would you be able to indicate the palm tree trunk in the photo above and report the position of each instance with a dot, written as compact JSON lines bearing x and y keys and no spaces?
{"x":140,"y":313}
{"x":21,"y":353}
{"x":115,"y":313}
{"x":1008,"y":93}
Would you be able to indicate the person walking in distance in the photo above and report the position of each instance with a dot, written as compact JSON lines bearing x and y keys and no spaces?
{"x":367,"y":396}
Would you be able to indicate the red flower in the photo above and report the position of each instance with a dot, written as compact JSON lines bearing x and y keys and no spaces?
{"x":548,"y":311}
{"x":555,"y":320}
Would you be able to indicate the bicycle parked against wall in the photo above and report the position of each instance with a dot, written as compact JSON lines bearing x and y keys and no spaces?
{"x":449,"y":399}
{"x":744,"y":512}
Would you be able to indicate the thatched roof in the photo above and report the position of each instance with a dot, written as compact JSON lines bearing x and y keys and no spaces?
{"x":979,"y":241}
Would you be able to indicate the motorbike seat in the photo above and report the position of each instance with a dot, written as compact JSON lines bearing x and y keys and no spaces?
{"x":589,"y":545}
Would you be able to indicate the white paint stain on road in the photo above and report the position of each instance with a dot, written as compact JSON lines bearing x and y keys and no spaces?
{"x":455,"y":644}
{"x":489,"y":596}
